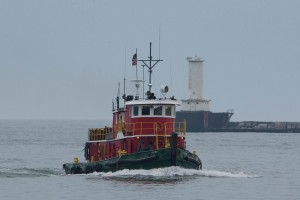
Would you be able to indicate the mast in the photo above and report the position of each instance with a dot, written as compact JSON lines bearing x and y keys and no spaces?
{"x":118,"y":97}
{"x":150,"y":67}
{"x":143,"y":81}
{"x":124,"y":93}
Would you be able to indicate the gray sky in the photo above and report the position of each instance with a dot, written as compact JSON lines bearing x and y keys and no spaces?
{"x":64,"y":59}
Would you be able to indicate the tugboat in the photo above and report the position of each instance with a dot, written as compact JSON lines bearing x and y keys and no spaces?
{"x":144,"y":135}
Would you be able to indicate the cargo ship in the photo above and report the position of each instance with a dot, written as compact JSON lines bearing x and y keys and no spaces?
{"x":195,"y":110}
{"x":143,"y":135}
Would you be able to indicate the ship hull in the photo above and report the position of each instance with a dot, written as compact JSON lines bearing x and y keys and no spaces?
{"x":141,"y":160}
{"x":201,"y":121}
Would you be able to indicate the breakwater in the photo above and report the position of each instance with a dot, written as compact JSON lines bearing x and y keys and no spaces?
{"x":258,"y":126}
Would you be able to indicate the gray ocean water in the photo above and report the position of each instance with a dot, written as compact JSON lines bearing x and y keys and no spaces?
{"x":235,"y":166}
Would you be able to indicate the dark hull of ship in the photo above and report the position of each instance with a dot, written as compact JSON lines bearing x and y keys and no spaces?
{"x":141,"y":160}
{"x":201,"y":121}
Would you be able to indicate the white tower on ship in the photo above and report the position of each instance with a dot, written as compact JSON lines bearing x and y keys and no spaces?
{"x":195,"y":102}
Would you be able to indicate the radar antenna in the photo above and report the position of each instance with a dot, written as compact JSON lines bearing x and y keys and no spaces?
{"x":150,"y":67}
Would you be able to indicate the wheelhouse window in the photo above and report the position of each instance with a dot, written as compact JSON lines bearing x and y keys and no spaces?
{"x":135,"y":111}
{"x":153,"y":110}
{"x":157,"y":110}
{"x":145,"y":110}
{"x":168,"y":111}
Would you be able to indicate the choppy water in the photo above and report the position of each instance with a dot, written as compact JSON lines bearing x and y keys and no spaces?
{"x":235,"y":166}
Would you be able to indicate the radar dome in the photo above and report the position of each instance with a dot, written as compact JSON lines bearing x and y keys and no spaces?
{"x":164,"y":89}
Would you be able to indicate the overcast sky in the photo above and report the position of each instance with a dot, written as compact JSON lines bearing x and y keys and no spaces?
{"x":63,"y":59}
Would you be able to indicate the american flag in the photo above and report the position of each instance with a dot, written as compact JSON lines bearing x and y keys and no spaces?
{"x":134,"y":60}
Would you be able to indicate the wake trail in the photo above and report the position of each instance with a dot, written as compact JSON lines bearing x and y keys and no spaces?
{"x":174,"y":172}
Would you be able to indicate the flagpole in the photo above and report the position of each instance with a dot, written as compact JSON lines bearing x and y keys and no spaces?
{"x":136,"y":72}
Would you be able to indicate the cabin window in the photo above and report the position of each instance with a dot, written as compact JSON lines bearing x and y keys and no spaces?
{"x":168,"y":111}
{"x":146,"y":110}
{"x":135,"y":111}
{"x":157,"y":110}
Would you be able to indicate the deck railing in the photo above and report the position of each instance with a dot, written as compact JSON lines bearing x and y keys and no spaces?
{"x":99,"y":133}
{"x":139,"y":128}
{"x":166,"y":128}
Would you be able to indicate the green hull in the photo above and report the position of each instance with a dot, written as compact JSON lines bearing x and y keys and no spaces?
{"x":141,"y":160}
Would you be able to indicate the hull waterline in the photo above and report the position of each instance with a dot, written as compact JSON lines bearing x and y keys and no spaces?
{"x":141,"y":160}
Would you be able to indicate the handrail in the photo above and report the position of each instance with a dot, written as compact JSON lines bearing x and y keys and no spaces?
{"x":131,"y":129}
{"x":155,"y":127}
{"x":98,"y":133}
{"x":156,"y":135}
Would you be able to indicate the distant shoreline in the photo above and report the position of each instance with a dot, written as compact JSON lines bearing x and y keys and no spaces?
{"x":257,"y":126}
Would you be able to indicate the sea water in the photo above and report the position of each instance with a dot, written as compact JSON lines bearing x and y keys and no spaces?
{"x":235,"y":166}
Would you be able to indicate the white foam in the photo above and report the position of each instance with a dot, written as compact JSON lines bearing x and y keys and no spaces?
{"x":172,"y":172}
{"x":159,"y":172}
{"x":214,"y":173}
